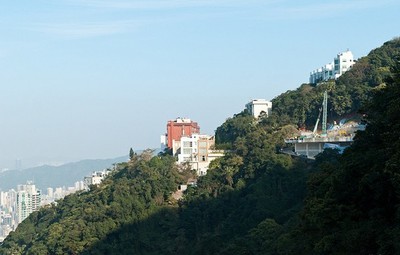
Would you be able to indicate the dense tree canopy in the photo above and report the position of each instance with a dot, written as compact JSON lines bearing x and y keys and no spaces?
{"x":353,"y":205}
{"x":132,"y":193}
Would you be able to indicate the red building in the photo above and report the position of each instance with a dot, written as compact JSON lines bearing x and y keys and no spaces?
{"x":178,"y":128}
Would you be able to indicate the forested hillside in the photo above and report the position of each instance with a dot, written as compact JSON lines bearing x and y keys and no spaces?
{"x":134,"y":192}
{"x":346,"y":94}
{"x":254,"y":200}
{"x":352,"y":206}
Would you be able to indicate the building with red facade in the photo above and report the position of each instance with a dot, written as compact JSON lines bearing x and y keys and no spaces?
{"x":180,"y":128}
{"x":184,"y":140}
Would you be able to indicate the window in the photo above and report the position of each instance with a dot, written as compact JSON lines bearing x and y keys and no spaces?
{"x":187,"y":151}
{"x":202,"y":144}
{"x":187,"y":144}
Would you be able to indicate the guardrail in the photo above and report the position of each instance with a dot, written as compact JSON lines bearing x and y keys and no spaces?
{"x":320,"y":139}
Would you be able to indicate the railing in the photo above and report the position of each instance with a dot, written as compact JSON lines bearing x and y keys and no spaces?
{"x":320,"y":139}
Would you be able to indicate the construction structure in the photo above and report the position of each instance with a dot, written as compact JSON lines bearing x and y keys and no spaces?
{"x":312,"y":143}
{"x":324,"y":110}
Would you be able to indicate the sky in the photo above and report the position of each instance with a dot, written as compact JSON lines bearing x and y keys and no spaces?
{"x":88,"y":79}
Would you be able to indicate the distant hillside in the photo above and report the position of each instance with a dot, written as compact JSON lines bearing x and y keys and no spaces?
{"x":55,"y":176}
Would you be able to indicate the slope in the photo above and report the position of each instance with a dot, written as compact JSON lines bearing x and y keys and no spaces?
{"x":250,"y":202}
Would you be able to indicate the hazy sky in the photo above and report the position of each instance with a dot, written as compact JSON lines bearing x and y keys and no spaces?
{"x":90,"y":79}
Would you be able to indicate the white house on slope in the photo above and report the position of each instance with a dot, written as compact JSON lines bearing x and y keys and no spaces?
{"x":259,"y":107}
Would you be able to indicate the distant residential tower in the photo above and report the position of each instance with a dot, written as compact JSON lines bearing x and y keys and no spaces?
{"x":28,"y":200}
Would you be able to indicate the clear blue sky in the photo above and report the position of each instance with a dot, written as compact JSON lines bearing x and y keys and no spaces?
{"x":90,"y":79}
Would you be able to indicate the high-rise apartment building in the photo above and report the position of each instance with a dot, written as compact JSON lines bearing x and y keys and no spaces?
{"x":28,"y":200}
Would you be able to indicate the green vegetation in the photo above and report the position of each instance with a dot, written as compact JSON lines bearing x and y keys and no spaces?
{"x":346,"y":95}
{"x":353,"y":201}
{"x":253,"y":200}
{"x":132,"y":193}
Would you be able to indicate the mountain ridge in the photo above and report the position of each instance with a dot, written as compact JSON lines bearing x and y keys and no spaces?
{"x":55,"y":176}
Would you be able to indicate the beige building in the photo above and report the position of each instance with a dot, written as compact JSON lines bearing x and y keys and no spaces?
{"x":198,"y":151}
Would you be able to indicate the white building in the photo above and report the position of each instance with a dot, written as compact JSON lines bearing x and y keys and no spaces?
{"x":3,"y":198}
{"x":341,"y":64}
{"x":50,"y":193}
{"x":164,"y":142}
{"x":188,"y":148}
{"x":95,"y":179}
{"x":58,"y":193}
{"x":79,"y":185}
{"x":259,"y":107}
{"x":197,"y":150}
{"x":323,"y":74}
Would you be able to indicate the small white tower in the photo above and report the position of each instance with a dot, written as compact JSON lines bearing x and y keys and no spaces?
{"x":259,"y":107}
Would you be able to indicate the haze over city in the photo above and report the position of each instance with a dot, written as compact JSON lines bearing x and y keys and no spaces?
{"x":90,"y":79}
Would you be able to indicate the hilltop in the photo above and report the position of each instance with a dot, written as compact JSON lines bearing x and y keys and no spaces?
{"x":347,"y":94}
{"x":253,"y":200}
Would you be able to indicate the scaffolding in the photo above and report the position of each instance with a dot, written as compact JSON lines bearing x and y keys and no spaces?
{"x":324,"y":110}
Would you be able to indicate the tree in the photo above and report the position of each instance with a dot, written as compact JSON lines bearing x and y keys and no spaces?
{"x":131,"y":154}
{"x":233,"y":128}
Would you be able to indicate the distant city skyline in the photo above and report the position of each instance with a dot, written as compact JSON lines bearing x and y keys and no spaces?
{"x":90,"y":79}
